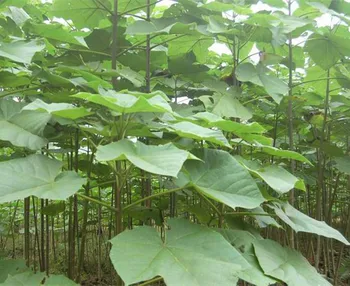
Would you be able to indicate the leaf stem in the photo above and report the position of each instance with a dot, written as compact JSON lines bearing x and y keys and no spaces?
{"x":20,"y":90}
{"x":97,"y":202}
{"x":151,"y":197}
{"x":209,"y":202}
{"x":249,"y":214}
{"x":149,"y":282}
{"x":319,"y":79}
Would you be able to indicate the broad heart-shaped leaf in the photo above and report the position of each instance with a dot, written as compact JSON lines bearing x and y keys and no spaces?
{"x":301,"y":222}
{"x":243,"y":241}
{"x":129,"y":103}
{"x":64,"y":110}
{"x":83,"y":13}
{"x":326,"y":50}
{"x":164,"y":160}
{"x":221,"y":178}
{"x":22,"y":128}
{"x":21,"y":51}
{"x":30,"y":279}
{"x":275,"y":176}
{"x":286,"y":264}
{"x":36,"y":175}
{"x":258,"y":75}
{"x":194,"y":131}
{"x":190,"y":255}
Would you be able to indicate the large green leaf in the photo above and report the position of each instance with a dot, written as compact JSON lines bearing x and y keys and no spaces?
{"x":275,"y":176}
{"x":129,"y":103}
{"x":286,"y":264}
{"x":64,"y":110}
{"x":21,"y":51}
{"x":22,"y":128}
{"x":194,"y":131}
{"x":190,"y":255}
{"x":221,"y":178}
{"x":258,"y":75}
{"x":301,"y":222}
{"x":243,"y":241}
{"x":36,"y":175}
{"x":326,"y":50}
{"x":83,"y":13}
{"x":30,"y":279}
{"x":164,"y":160}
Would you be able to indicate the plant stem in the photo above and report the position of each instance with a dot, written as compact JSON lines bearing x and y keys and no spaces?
{"x":152,"y":197}
{"x":149,"y":282}
{"x":290,"y":120}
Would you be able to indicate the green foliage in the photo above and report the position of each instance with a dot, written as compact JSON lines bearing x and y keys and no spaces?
{"x":191,"y":123}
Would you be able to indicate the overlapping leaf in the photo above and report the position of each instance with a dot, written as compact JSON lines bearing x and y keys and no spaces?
{"x":275,"y":176}
{"x":258,"y":75}
{"x":22,"y":128}
{"x":21,"y":51}
{"x":243,"y":241}
{"x":286,"y":264}
{"x":194,"y":131}
{"x":222,"y":178}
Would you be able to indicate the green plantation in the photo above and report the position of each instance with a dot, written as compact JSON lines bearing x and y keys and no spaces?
{"x":178,"y":143}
